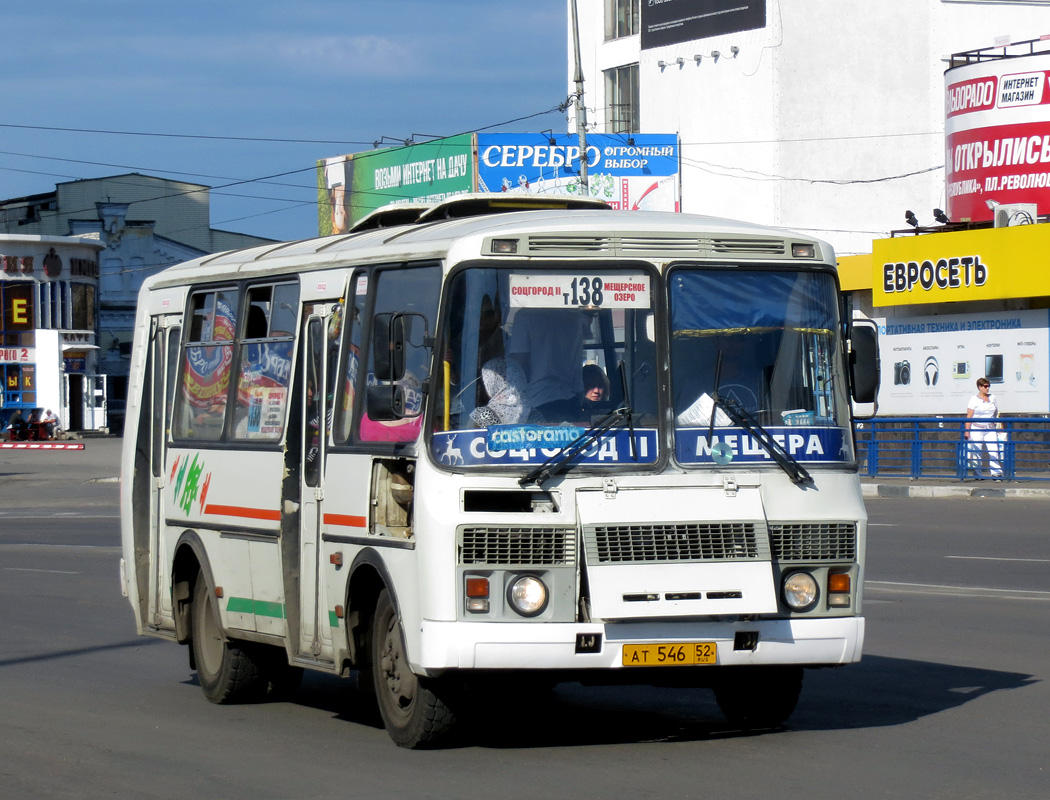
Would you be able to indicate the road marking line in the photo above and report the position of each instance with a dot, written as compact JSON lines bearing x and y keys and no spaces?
{"x":37,"y":545}
{"x":992,"y":558}
{"x":968,"y":591}
{"x":27,"y":569}
{"x":4,"y":515}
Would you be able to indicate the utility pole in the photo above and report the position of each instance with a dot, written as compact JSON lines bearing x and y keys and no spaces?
{"x":581,"y":109}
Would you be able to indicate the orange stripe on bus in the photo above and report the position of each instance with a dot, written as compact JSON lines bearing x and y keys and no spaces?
{"x":247,"y":513}
{"x":345,"y":519}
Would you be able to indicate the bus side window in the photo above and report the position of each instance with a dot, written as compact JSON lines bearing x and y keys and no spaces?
{"x":204,"y":378}
{"x":351,"y":359}
{"x":264,"y":366}
{"x":413,"y":291}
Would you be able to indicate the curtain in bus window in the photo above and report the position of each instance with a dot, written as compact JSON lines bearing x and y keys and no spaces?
{"x":207,"y":366}
{"x":264,"y":366}
{"x":262,"y":390}
{"x":724,"y":300}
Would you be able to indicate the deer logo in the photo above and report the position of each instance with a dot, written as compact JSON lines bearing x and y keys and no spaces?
{"x":453,"y":454}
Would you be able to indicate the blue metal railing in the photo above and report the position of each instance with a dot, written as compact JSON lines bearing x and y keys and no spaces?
{"x":925,"y":447}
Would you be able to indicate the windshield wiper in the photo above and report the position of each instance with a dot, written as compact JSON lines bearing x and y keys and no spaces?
{"x":560,"y":462}
{"x":746,"y":420}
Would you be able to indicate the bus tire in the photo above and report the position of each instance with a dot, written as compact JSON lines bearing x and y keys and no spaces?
{"x":228,"y":673}
{"x":413,"y":709}
{"x":759,"y":697}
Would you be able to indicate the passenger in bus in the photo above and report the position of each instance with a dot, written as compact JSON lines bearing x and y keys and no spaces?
{"x":548,"y":344}
{"x":595,"y":388}
{"x":505,"y":384}
{"x":595,"y":383}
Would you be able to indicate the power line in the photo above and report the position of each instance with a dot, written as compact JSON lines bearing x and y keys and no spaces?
{"x":160,"y":134}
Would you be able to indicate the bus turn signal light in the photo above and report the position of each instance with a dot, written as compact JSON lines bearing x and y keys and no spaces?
{"x":478,"y":595}
{"x":838,"y":582}
{"x":839,"y":585}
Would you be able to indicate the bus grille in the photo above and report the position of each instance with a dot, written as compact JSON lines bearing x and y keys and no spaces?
{"x":690,"y":541}
{"x":814,"y":541}
{"x":506,"y":545}
{"x":772,"y":247}
{"x":656,"y":245}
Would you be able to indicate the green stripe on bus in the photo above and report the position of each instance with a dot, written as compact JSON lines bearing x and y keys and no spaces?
{"x":262,"y":608}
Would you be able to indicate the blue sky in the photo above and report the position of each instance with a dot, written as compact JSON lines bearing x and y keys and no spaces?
{"x":342,"y":73}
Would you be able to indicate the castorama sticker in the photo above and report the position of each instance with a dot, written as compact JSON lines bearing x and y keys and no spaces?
{"x":997,"y":131}
{"x":628,"y":172}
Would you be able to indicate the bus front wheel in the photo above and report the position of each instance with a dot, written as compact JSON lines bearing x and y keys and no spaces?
{"x":414,"y":710}
{"x":227,"y":672}
{"x":759,"y":697}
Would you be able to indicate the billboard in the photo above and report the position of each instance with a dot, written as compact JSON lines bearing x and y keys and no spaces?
{"x":674,"y":21}
{"x":628,"y":172}
{"x":426,"y":173}
{"x":930,"y":365}
{"x":997,"y":136}
{"x":334,"y":178}
{"x":987,"y":264}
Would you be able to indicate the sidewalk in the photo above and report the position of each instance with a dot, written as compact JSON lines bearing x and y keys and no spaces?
{"x":885,"y":486}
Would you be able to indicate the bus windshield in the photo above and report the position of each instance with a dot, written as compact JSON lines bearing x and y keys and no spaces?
{"x":532,"y":358}
{"x":767,"y":342}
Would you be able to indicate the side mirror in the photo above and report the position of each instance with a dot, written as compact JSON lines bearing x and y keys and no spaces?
{"x":386,"y":402}
{"x":864,"y":373}
{"x":388,"y":347}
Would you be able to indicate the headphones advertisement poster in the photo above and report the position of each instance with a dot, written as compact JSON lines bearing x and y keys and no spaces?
{"x":930,"y":365}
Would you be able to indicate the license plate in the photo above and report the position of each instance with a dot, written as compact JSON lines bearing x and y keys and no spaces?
{"x":670,"y":654}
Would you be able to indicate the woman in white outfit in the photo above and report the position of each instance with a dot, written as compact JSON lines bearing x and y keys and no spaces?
{"x":983,"y":430}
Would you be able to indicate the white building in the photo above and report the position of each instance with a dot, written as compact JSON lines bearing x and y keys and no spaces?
{"x":48,"y":328}
{"x":819,"y":115}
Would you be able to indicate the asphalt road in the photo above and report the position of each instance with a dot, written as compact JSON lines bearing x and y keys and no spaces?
{"x":950,"y":700}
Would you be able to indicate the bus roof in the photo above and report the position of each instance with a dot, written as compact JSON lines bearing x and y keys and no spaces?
{"x":590,"y":232}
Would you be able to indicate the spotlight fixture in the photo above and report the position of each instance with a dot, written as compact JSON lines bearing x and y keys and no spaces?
{"x":734,"y":50}
{"x":940,"y":216}
{"x":910,"y":219}
{"x":698,"y":58}
{"x":679,"y":61}
{"x":715,"y":54}
{"x":661,"y":63}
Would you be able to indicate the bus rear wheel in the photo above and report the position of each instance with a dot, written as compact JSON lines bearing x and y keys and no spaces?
{"x":227,"y":672}
{"x":413,"y":709}
{"x":759,"y":697}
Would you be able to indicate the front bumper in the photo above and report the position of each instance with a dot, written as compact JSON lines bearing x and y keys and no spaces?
{"x":552,"y":646}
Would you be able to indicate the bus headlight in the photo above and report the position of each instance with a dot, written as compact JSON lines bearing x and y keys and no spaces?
{"x":800,"y":591}
{"x":528,"y":596}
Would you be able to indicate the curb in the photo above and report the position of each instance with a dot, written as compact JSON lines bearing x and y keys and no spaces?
{"x":874,"y":490}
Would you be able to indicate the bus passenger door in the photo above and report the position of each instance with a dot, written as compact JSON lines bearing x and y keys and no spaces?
{"x":166,"y":340}
{"x":315,"y":635}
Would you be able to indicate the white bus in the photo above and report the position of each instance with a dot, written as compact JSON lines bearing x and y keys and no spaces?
{"x":498,"y":442}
